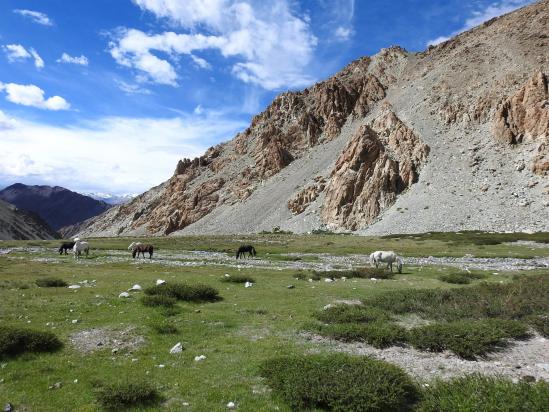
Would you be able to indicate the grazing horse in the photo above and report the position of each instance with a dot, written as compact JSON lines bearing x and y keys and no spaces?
{"x":65,"y":246}
{"x":79,"y":247}
{"x":138,"y":248}
{"x":388,"y":257}
{"x":241,"y":252}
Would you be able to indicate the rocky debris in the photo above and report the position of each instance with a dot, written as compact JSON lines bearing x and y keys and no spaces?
{"x":231,"y":405}
{"x":56,"y":385}
{"x":135,"y":288}
{"x":8,"y":407}
{"x":87,"y":341}
{"x":199,"y":358}
{"x":304,"y":198}
{"x":74,"y":286}
{"x":160,"y":282}
{"x":248,"y":284}
{"x":124,"y":295}
{"x":379,"y":163}
{"x":178,"y":348}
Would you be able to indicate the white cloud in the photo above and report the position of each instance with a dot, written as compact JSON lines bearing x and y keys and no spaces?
{"x":31,"y":95}
{"x":343,"y":33}
{"x":6,"y":122}
{"x":16,"y":52}
{"x":130,"y":88}
{"x":480,"y":16}
{"x":200,"y":62}
{"x":273,"y":46}
{"x":88,"y":157}
{"x":66,"y":58}
{"x":36,"y":16}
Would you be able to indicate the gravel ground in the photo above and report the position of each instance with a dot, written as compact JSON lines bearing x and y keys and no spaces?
{"x":521,"y":358}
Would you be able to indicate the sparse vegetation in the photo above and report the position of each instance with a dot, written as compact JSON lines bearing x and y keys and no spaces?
{"x":51,"y":283}
{"x":184,"y":292}
{"x":15,"y":341}
{"x":461,"y":278}
{"x":238,"y":279}
{"x":487,"y":394}
{"x":340,"y":383}
{"x":164,"y":327}
{"x":126,"y":394}
{"x":158,"y":300}
{"x":342,"y":313}
{"x":377,"y":334}
{"x":363,"y":273}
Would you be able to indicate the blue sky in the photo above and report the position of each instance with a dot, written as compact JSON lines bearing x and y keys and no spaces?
{"x":103,"y":95}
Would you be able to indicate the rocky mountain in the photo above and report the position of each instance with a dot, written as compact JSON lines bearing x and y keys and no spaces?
{"x":109,"y":198}
{"x":452,"y":138}
{"x":58,"y":206}
{"x":19,"y":225}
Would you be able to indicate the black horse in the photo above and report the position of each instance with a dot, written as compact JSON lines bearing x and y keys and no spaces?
{"x":65,"y":246}
{"x":141,"y":249}
{"x":241,"y":252}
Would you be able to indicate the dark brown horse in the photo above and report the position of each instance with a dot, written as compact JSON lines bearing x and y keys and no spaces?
{"x":141,"y":249}
{"x":65,"y":246}
{"x":242,"y":250}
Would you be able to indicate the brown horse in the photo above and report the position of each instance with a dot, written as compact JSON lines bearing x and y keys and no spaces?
{"x":139,"y":248}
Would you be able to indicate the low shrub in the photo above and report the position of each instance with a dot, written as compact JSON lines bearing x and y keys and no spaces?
{"x":15,"y":341}
{"x":364,"y":273}
{"x":238,"y":279}
{"x":13,"y":284}
{"x":467,"y":339}
{"x":351,"y":313}
{"x":158,"y":300}
{"x":340,"y":382}
{"x":460,"y":278}
{"x":377,"y":334}
{"x":182,"y":291}
{"x":487,"y":394}
{"x":540,"y":323}
{"x":126,"y":394}
{"x":51,"y":283}
{"x":164,"y":328}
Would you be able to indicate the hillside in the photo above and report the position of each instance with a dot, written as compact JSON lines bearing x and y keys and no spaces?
{"x":58,"y":206}
{"x":18,"y":225}
{"x":452,"y":138}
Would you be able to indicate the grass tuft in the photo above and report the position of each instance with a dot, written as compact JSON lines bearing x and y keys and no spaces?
{"x":461,"y":278}
{"x":363,"y":273}
{"x":158,"y":300}
{"x":164,"y":328}
{"x":15,"y":341}
{"x":351,"y":313}
{"x":467,"y":339}
{"x":238,"y":279}
{"x":377,"y":334}
{"x":126,"y":394}
{"x":184,"y":292}
{"x":482,"y":393}
{"x":51,"y":283}
{"x":340,"y":383}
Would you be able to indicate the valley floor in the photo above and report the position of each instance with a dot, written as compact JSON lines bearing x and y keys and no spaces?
{"x":107,"y":338}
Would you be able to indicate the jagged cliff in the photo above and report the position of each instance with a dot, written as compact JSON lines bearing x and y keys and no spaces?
{"x":452,"y":138}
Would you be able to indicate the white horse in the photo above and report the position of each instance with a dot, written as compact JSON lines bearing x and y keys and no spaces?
{"x":389,"y":257}
{"x":79,"y":247}
{"x":134,"y":245}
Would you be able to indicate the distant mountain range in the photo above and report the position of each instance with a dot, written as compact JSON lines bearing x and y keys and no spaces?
{"x":57,"y":206}
{"x":110,"y":198}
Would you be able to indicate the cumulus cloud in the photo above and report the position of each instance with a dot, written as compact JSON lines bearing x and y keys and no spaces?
{"x":480,"y":16}
{"x":35,"y":16}
{"x":271,"y":44}
{"x":66,"y":58}
{"x":16,"y":52}
{"x":31,"y":95}
{"x":343,"y":33}
{"x":6,"y":122}
{"x":88,"y":157}
{"x":200,"y":62}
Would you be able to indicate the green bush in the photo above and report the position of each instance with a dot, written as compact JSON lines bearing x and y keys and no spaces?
{"x":364,"y":273}
{"x":377,"y":334}
{"x":126,"y":394}
{"x":467,"y":339}
{"x":164,"y":328}
{"x":15,"y":341}
{"x":540,"y":323}
{"x":238,"y":279}
{"x":486,"y":394}
{"x":158,"y":300}
{"x":182,"y":291}
{"x":51,"y":283}
{"x":525,"y":296}
{"x":351,"y":313}
{"x":460,"y":278}
{"x":340,"y":382}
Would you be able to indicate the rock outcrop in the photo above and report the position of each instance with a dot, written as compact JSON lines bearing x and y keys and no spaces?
{"x":381,"y":161}
{"x":308,"y":195}
{"x":16,"y":224}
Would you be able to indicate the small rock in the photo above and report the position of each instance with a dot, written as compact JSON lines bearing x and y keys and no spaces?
{"x":161,"y":366}
{"x":328,"y":280}
{"x":74,"y":287}
{"x":114,"y":351}
{"x":74,"y":321}
{"x":248,"y":284}
{"x":227,"y":275}
{"x":135,"y":287}
{"x":8,"y":407}
{"x":231,"y":405}
{"x":373,"y":279}
{"x":178,"y":348}
{"x":160,"y":282}
{"x":199,"y":358}
{"x":197,"y":311}
{"x":290,"y":286}
{"x":124,"y":295}
{"x":56,"y":385}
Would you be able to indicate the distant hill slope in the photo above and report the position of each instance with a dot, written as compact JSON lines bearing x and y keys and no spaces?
{"x":19,"y":225}
{"x":452,"y":138}
{"x":58,"y":206}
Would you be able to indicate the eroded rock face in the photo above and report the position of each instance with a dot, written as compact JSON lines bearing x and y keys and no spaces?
{"x":525,"y":117}
{"x":381,"y":160}
{"x":308,"y":195}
